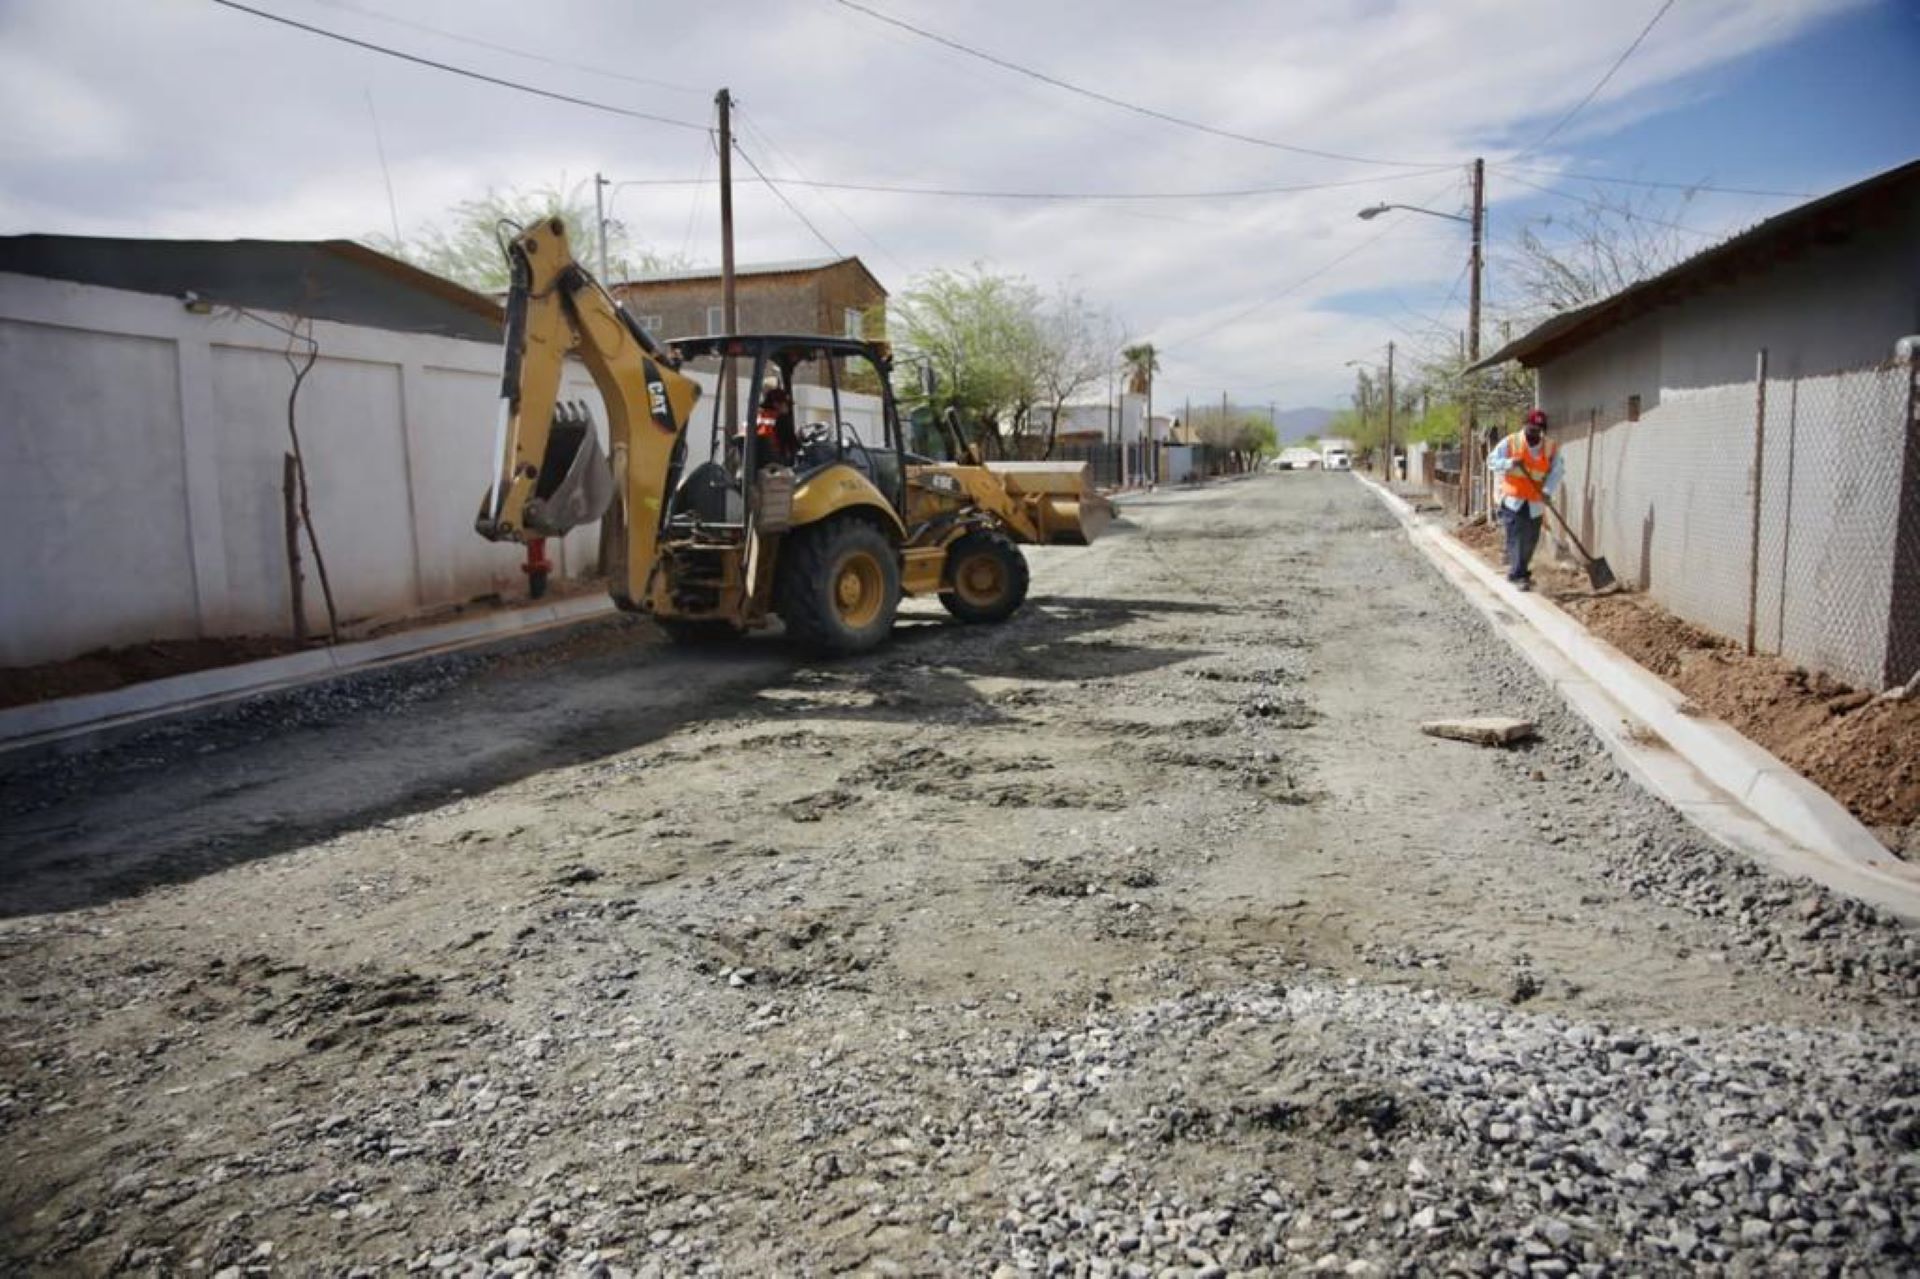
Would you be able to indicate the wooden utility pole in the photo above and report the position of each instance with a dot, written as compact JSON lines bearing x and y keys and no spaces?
{"x":1470,"y":433}
{"x":729,"y":313}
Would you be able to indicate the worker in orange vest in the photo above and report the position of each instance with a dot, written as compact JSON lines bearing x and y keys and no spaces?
{"x":773,"y":424}
{"x":1529,"y":468}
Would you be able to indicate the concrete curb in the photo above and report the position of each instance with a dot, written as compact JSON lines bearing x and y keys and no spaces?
{"x":40,"y":723}
{"x":1731,"y":788}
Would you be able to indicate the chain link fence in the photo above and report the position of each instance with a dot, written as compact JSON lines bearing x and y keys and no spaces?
{"x":1783,"y":513}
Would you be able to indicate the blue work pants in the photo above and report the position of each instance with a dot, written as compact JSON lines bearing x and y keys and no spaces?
{"x":1523,"y":534}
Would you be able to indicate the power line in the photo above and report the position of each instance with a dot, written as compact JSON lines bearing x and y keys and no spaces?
{"x":763,"y":136}
{"x":1648,"y":182}
{"x":1234,"y":194}
{"x":959,"y":193}
{"x":791,"y":206}
{"x":507,"y":49}
{"x":1628,"y":214}
{"x":1307,"y":279}
{"x":693,"y":206}
{"x":460,"y":71}
{"x":1298,"y":284}
{"x":1137,"y":109}
{"x":1600,"y":84}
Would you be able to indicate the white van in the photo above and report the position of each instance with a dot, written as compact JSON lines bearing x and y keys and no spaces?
{"x":1339,"y":460}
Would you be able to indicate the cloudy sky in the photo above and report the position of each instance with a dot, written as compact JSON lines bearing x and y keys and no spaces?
{"x":186,"y":118}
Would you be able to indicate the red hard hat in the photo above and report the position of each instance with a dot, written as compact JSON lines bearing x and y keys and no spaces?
{"x":1537,"y":415}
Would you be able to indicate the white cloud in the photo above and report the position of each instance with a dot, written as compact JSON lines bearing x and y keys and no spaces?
{"x":182,"y":118}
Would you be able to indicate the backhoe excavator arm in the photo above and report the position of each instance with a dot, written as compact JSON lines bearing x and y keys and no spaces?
{"x":549,"y":475}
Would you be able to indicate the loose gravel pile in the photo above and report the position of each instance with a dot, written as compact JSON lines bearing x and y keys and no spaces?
{"x":1142,"y":936}
{"x":1444,"y":1137}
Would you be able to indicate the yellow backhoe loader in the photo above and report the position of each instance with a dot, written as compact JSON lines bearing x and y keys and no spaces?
{"x":819,"y":522}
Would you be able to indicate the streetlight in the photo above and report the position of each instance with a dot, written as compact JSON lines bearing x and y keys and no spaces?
{"x":1375,"y":210}
{"x":1478,"y":221}
{"x":604,"y":191}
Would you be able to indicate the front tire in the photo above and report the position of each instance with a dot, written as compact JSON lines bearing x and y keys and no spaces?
{"x":839,"y":586}
{"x":989,"y":576}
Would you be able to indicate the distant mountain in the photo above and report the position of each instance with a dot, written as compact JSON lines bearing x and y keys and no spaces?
{"x":1291,"y":425}
{"x":1294,"y":425}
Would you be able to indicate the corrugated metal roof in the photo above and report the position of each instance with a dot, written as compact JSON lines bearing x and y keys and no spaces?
{"x":337,"y":280}
{"x":794,"y":266}
{"x":1830,"y":216}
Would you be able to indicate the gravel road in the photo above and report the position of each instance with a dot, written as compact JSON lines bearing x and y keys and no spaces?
{"x":1143,"y":935}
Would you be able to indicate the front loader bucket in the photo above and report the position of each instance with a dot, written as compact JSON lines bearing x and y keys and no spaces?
{"x":1061,"y":497}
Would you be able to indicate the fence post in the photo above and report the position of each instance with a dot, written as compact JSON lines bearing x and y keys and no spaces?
{"x":1903,"y":628}
{"x":1759,"y":462}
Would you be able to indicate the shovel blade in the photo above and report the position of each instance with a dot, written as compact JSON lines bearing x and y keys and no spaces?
{"x":1600,"y":574}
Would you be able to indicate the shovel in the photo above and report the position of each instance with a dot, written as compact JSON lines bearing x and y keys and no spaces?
{"x":1599,"y":572}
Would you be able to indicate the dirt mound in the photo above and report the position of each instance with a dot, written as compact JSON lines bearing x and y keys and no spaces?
{"x":1862,"y":750}
{"x":110,"y":668}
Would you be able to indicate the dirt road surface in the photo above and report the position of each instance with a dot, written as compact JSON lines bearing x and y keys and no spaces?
{"x":1142,"y":935}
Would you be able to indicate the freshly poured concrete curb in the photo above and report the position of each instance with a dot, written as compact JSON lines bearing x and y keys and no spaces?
{"x":67,"y":717}
{"x":1725,"y":784}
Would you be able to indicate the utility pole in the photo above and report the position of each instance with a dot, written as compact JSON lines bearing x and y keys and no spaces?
{"x":729,"y":314}
{"x":1389,"y":413}
{"x":600,"y":219}
{"x":1470,"y":433}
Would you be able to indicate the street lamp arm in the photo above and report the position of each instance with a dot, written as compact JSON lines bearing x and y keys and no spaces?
{"x":1375,"y":210}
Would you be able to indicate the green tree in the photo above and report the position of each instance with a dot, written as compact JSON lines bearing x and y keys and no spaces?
{"x":1142,"y":363}
{"x":464,"y":246}
{"x":967,"y":327}
{"x":1245,"y":437}
{"x":1000,"y":351}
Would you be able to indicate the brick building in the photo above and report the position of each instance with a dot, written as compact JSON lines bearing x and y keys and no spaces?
{"x":833,"y":296}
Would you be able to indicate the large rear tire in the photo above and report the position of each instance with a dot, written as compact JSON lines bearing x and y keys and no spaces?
{"x":989,"y":576}
{"x":839,"y":586}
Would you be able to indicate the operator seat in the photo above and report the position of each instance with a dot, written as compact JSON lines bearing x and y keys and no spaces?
{"x":709,"y":495}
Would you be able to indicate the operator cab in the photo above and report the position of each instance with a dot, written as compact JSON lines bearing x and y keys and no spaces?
{"x":800,"y":405}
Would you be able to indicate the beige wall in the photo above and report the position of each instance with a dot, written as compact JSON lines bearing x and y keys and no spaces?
{"x":811,"y":303}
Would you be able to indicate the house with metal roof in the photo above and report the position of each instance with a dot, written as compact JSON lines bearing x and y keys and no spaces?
{"x":1738,"y":431}
{"x":336,"y":280}
{"x":836,"y":296}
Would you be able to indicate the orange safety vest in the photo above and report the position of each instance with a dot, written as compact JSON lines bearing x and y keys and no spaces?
{"x":1530,"y":469}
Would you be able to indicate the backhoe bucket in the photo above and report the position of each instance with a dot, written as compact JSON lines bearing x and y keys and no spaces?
{"x":575,"y":485}
{"x":1060,"y":496}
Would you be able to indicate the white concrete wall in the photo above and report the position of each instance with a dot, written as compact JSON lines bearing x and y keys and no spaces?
{"x":1180,"y":464}
{"x":143,"y":447}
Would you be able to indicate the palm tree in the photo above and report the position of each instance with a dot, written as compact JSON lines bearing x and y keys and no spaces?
{"x":1142,"y":362}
